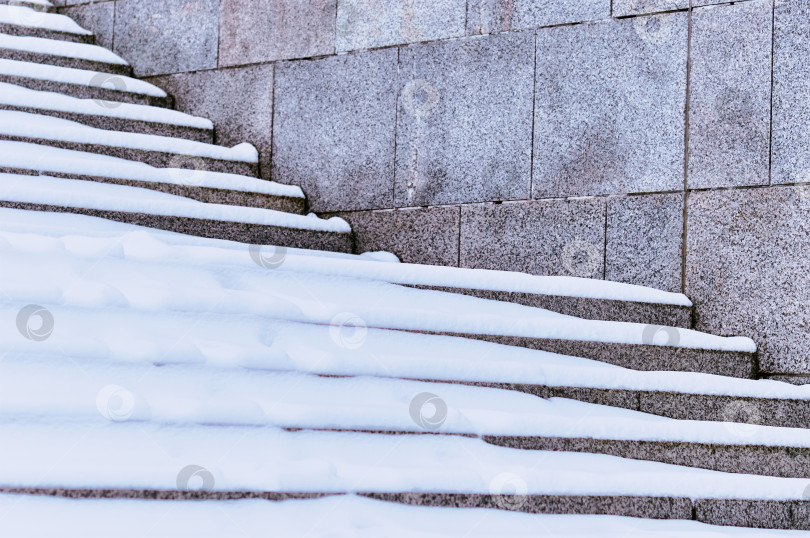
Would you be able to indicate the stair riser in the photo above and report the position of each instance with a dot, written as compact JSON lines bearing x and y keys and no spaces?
{"x":231,"y":231}
{"x":89,"y":92}
{"x":705,"y":407}
{"x":154,"y":158}
{"x":598,"y":309}
{"x":27,"y":31}
{"x":201,"y":194}
{"x":61,"y":61}
{"x":637,"y":357}
{"x":119,"y":124}
{"x":786,"y":462}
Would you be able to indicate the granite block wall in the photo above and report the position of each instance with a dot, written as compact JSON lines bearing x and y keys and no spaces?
{"x":656,"y":142}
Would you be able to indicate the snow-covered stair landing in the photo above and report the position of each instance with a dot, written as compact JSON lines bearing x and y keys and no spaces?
{"x":250,"y":377}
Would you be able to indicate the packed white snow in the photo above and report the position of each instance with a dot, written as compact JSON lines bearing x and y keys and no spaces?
{"x":67,"y":49}
{"x":25,"y":16}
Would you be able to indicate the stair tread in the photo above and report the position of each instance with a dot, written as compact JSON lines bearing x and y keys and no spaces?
{"x":61,"y":49}
{"x":30,"y":18}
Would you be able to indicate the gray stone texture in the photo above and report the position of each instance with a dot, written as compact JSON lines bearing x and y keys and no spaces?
{"x":419,"y":235}
{"x":746,"y":272}
{"x":610,"y":107}
{"x":464,"y":120}
{"x":560,"y":237}
{"x":167,"y":36}
{"x":364,"y":24}
{"x":791,"y":92}
{"x":730,"y":95}
{"x":493,"y":16}
{"x":253,"y":31}
{"x":645,"y":240}
{"x":98,"y":18}
{"x":333,"y":132}
{"x":239,"y":101}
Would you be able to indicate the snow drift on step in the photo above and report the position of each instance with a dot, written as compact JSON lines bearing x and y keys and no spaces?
{"x":25,"y":16}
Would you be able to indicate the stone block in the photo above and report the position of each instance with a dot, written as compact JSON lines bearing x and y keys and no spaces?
{"x":363,"y":24}
{"x":493,"y":16}
{"x":623,"y":8}
{"x":167,"y":36}
{"x":609,"y":115}
{"x":239,"y":101}
{"x":645,"y":240}
{"x":561,"y":237}
{"x":746,"y":273}
{"x":334,"y":129}
{"x":791,"y":92}
{"x":730,"y":95}
{"x":419,"y":235}
{"x":464,"y":120}
{"x":99,"y":18}
{"x":254,"y":31}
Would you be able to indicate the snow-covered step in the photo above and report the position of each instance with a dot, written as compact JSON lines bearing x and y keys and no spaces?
{"x":21,"y":20}
{"x":654,"y":313}
{"x":62,"y":54}
{"x":161,"y":151}
{"x":44,"y":6}
{"x":327,"y":517}
{"x":153,"y":209}
{"x":108,"y":115}
{"x":190,"y":181}
{"x":83,"y":84}
{"x":130,"y":459}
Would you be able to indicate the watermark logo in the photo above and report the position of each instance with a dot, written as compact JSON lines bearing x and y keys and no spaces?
{"x":115,"y":403}
{"x":420,"y":98}
{"x":35,"y":323}
{"x":741,"y":418}
{"x":428,"y":411}
{"x":509,"y":491}
{"x":109,"y":82}
{"x":195,"y":478}
{"x":348,"y":330}
{"x":187,"y":170}
{"x":660,"y":335}
{"x":581,"y":258}
{"x":268,"y":257}
{"x":654,"y":29}
{"x":23,"y":14}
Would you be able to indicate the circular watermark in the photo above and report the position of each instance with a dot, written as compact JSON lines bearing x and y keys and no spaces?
{"x":581,"y":258}
{"x":509,"y":491}
{"x":420,"y":98}
{"x":654,"y":29}
{"x":268,"y":257}
{"x":741,"y":418}
{"x":348,"y":330}
{"x":352,"y":18}
{"x":23,"y":14}
{"x":806,"y":493}
{"x":428,"y":411}
{"x":660,"y":335}
{"x":35,"y":322}
{"x":109,"y":82}
{"x":115,"y":403}
{"x":195,"y":478}
{"x":187,"y":170}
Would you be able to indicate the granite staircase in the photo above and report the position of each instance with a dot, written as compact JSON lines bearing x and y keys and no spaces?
{"x":575,"y":397}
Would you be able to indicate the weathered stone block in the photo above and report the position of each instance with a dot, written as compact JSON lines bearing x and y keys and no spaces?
{"x":791,"y":92}
{"x":256,"y":31}
{"x":645,"y":240}
{"x":420,"y":235}
{"x":363,"y":24}
{"x":730,"y":95}
{"x":464,"y":120}
{"x":561,"y":237}
{"x":167,"y":36}
{"x":609,"y":115}
{"x":98,"y":18}
{"x":239,"y":101}
{"x":334,"y":129}
{"x":745,"y":272}
{"x":492,"y":16}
